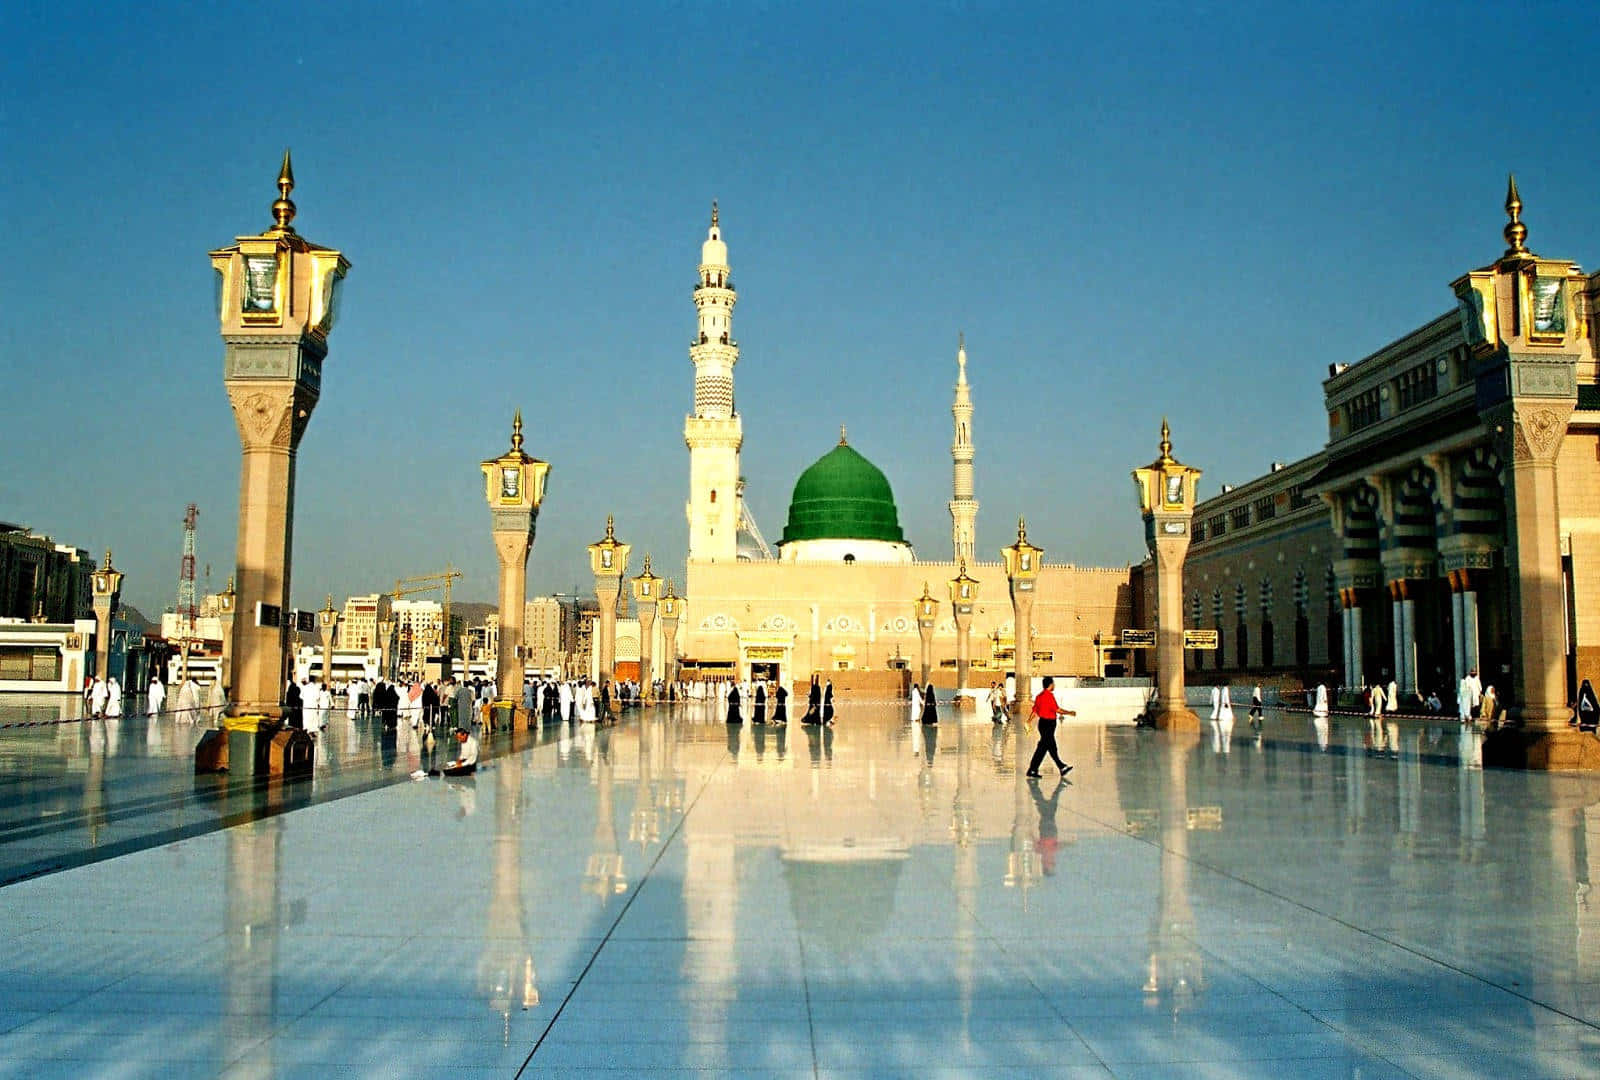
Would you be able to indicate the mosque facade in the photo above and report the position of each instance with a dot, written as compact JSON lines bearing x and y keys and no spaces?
{"x":839,"y":596}
{"x":1450,"y":523}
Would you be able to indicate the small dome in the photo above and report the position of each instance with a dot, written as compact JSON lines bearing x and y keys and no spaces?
{"x":843,"y":497}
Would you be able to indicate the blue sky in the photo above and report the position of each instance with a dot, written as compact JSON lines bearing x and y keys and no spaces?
{"x":1130,"y":210}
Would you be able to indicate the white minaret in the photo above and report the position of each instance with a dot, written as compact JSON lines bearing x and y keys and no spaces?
{"x":714,"y":433}
{"x":963,"y":507}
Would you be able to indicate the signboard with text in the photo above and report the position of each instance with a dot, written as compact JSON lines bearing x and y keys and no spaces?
{"x":1138,"y":639}
{"x":1199,"y":639}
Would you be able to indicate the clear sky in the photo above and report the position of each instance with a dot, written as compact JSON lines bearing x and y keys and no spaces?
{"x":1130,"y":209}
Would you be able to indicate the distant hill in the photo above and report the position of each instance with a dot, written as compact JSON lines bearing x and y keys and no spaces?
{"x":137,"y":619}
{"x":472,"y":612}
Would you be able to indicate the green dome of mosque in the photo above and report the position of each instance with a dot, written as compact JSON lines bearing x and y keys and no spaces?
{"x":843,"y":496}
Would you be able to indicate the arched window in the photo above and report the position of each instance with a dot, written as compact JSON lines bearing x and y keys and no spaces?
{"x":849,"y":560}
{"x":1267,"y":644}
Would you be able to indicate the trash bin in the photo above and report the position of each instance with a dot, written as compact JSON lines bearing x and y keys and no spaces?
{"x":211,"y":752}
{"x":290,"y":752}
{"x":249,"y":738}
{"x":502,"y":715}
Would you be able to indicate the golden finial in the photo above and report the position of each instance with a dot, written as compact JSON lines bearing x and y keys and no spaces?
{"x":1166,"y":442}
{"x":671,"y":589}
{"x":1022,"y":530}
{"x":843,"y":441}
{"x":926,"y":595}
{"x":229,"y":589}
{"x":646,"y":572}
{"x":713,"y":213}
{"x":108,"y":558}
{"x":516,"y":431}
{"x":283,"y":209}
{"x":611,"y":528}
{"x":1516,"y":233}
{"x":328,"y":604}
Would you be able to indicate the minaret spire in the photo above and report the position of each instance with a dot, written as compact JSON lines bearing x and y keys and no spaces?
{"x":713,"y":431}
{"x":283,"y":209}
{"x":963,"y":504}
{"x":1516,"y":233}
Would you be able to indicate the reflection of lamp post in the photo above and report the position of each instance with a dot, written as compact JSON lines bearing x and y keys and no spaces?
{"x":671,"y":611}
{"x":927,"y":612}
{"x":646,"y":592}
{"x":227,"y":602}
{"x":609,"y":559}
{"x":514,"y":486}
{"x":604,"y":877}
{"x":1174,"y":976}
{"x":327,"y":620}
{"x":1166,"y":497}
{"x":107,"y":583}
{"x":963,"y":595}
{"x":1022,"y":572}
{"x":505,"y":967}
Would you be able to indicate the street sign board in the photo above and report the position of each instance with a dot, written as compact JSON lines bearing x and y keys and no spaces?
{"x":269,"y":615}
{"x":1199,"y":639}
{"x":1138,"y":639}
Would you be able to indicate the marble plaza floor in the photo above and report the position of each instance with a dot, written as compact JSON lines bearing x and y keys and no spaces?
{"x":671,"y":896}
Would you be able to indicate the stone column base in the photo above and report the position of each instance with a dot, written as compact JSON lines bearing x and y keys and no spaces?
{"x":1178,"y":718}
{"x":1556,"y":751}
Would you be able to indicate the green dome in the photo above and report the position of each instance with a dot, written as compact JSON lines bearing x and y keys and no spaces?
{"x":843,"y":497}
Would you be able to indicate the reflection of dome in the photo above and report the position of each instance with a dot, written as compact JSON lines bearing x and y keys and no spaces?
{"x":843,"y":496}
{"x":867,"y":874}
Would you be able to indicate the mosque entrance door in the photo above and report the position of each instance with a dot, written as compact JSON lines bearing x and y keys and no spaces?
{"x":764,"y":671}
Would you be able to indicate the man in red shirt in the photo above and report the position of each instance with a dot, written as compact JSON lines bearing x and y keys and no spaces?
{"x":1046,"y":710}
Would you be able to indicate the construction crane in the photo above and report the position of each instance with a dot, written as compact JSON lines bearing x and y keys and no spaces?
{"x":423,"y":583}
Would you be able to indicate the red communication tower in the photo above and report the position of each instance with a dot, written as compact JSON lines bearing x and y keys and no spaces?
{"x":187,"y":607}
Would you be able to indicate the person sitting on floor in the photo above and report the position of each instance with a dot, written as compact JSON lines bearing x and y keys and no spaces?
{"x":466,"y":761}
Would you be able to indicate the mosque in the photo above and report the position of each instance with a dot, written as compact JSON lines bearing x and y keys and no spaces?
{"x":840,"y":595}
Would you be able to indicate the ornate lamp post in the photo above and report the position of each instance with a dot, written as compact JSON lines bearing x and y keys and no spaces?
{"x":227,"y":604}
{"x":1166,"y":497}
{"x":327,"y":620}
{"x":927,"y":612}
{"x":646,"y":593}
{"x":385,"y":644}
{"x":671,"y":612}
{"x":278,"y":300}
{"x":107,"y":582}
{"x":1022,"y":573}
{"x":608,"y":558}
{"x":963,"y":595}
{"x":514,"y":487}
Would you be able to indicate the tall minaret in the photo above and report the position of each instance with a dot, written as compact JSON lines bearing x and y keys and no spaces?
{"x":963,"y":507}
{"x":714,"y":433}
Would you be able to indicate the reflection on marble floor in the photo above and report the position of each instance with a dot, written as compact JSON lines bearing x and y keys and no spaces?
{"x":878,"y":899}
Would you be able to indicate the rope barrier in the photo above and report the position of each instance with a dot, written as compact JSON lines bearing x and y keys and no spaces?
{"x":175,"y":713}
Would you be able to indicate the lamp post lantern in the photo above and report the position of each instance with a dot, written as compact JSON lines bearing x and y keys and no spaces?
{"x":1022,"y":574}
{"x":278,"y":298}
{"x":514,"y":487}
{"x":107,"y":584}
{"x":646,"y":595}
{"x":608,"y":558}
{"x":1166,"y":497}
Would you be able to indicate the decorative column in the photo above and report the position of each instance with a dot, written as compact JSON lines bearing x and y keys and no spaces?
{"x":671,"y":612}
{"x":1527,"y":334}
{"x":227,"y":604}
{"x":514,"y":487}
{"x":1166,"y":497}
{"x":646,"y":591}
{"x":327,"y":620}
{"x":107,"y":582}
{"x":1350,"y":608}
{"x":963,"y":595}
{"x":278,"y":300}
{"x":1403,"y":615}
{"x":608,"y":558}
{"x":1022,"y":572}
{"x":927,"y":613}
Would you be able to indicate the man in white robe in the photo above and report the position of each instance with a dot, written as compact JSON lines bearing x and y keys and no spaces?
{"x":158,"y":696}
{"x":113,"y":698}
{"x":1320,"y":708}
{"x":97,"y":699}
{"x":1216,"y":702}
{"x":916,"y":703}
{"x":564,"y":696}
